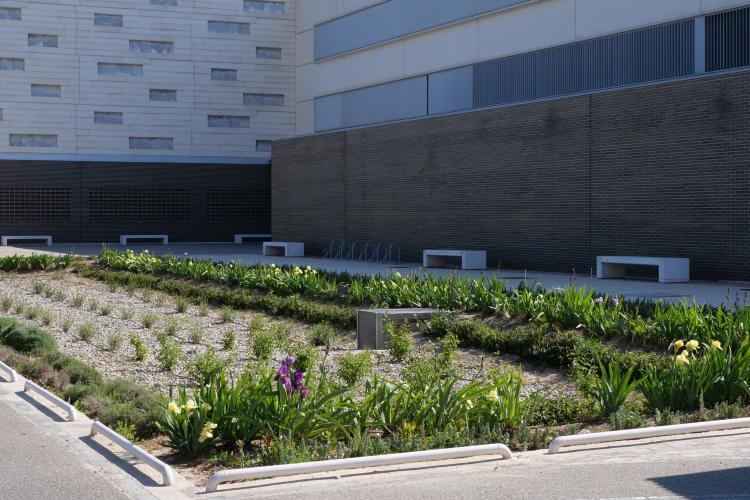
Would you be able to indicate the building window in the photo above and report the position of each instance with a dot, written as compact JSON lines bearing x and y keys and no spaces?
{"x":159,"y":143}
{"x":108,"y":20}
{"x":108,"y":118}
{"x":12,"y":64}
{"x":151,"y":47}
{"x":223,"y":74}
{"x":33,"y":140}
{"x":267,"y":53}
{"x":10,"y":13}
{"x":162,"y":95}
{"x":228,"y":27}
{"x":45,"y":90}
{"x":42,"y":40}
{"x":263,"y":146}
{"x":264,"y":99}
{"x":138,"y":204}
{"x":163,"y":2}
{"x":19,"y":204}
{"x":264,"y":7}
{"x":116,"y":69}
{"x":227,"y":121}
{"x":1,"y":114}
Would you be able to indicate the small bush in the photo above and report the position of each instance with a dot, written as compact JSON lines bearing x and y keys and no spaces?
{"x":127,"y":314}
{"x":400,"y":341}
{"x":613,"y":387}
{"x":148,"y":320}
{"x":105,"y":310}
{"x":112,"y":287}
{"x":38,"y":287}
{"x":354,"y":367}
{"x":625,"y":418}
{"x":60,"y":295}
{"x":28,"y":340}
{"x":181,"y":305}
{"x":256,"y":324}
{"x":6,"y":303}
{"x":264,"y":344}
{"x":87,"y":331}
{"x":204,"y":367}
{"x":114,"y":341}
{"x":169,"y":355}
{"x":141,"y":351}
{"x":93,"y":305}
{"x":67,"y":324}
{"x":171,"y":327}
{"x":195,"y":335}
{"x":447,"y":352}
{"x":78,"y":300}
{"x":229,"y":340}
{"x":227,"y":315}
{"x":147,"y":296}
{"x":45,"y":317}
{"x":322,"y":334}
{"x":78,"y":371}
{"x":19,"y":309}
{"x":33,"y":312}
{"x":203,"y":309}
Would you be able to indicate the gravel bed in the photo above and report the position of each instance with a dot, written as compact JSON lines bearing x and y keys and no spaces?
{"x":128,"y":308}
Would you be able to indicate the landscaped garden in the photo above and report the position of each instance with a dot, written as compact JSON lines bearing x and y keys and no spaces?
{"x":216,"y":365}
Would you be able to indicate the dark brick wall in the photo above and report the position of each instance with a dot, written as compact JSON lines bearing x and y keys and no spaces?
{"x":188,"y":202}
{"x":658,"y":170}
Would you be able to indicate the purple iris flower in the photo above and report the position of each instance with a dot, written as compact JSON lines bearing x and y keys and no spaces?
{"x":282,"y":372}
{"x":289,"y":361}
{"x":298,"y":378}
{"x":304,"y":393}
{"x":287,"y":385}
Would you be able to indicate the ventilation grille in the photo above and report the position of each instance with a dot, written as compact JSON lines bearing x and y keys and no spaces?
{"x":238,"y":205}
{"x":116,"y":204}
{"x":34,"y":204}
{"x":728,"y":40}
{"x":640,"y":56}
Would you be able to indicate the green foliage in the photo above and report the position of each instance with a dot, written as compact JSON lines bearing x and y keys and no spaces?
{"x":203,"y":309}
{"x":171,"y":326}
{"x":127,"y":314}
{"x":613,"y":387}
{"x":114,"y":341}
{"x":26,"y":339}
{"x":6,"y":303}
{"x":78,"y":301}
{"x":264,"y":344}
{"x":45,"y":317}
{"x":87,"y":331}
{"x":227,"y":314}
{"x":169,"y":355}
{"x":447,"y":352}
{"x":67,"y":324}
{"x":105,"y":310}
{"x":141,"y":351}
{"x":35,"y":262}
{"x":195,"y":334}
{"x":625,"y":418}
{"x":148,"y":320}
{"x":204,"y":367}
{"x":181,"y":305}
{"x":229,"y":340}
{"x":322,"y":334}
{"x":354,"y":367}
{"x":399,"y":340}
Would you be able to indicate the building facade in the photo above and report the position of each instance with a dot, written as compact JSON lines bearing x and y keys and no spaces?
{"x":142,"y":116}
{"x":546,"y":132}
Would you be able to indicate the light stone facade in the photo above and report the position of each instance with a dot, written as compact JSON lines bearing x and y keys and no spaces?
{"x":109,"y":75}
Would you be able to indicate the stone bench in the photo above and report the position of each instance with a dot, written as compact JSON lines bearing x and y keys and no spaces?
{"x":370,"y":331}
{"x":5,"y":239}
{"x":162,"y":238}
{"x":283,"y":249}
{"x":239,"y":239}
{"x":671,"y":270}
{"x":466,"y":259}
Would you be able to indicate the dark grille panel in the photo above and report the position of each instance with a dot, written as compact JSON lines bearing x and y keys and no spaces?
{"x":131,"y":204}
{"x":34,"y":204}
{"x":235,"y":205}
{"x":728,"y":40}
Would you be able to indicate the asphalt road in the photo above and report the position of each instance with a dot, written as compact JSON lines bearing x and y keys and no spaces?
{"x":35,"y":464}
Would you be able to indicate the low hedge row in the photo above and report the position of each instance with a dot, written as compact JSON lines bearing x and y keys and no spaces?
{"x":293,"y":307}
{"x":36,"y":262}
{"x":120,"y":404}
{"x":568,"y":348}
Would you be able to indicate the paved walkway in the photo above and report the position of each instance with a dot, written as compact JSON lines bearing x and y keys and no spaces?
{"x":728,"y":293}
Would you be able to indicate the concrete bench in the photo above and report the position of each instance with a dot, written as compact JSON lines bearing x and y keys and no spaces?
{"x":283,"y":249}
{"x":464,"y":259}
{"x":239,"y":239}
{"x":671,"y":270}
{"x":163,"y":238}
{"x":370,"y":332}
{"x":5,"y":239}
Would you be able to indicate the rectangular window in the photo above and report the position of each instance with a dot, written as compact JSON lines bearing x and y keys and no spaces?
{"x":164,"y":2}
{"x":12,"y":64}
{"x":117,"y":69}
{"x":10,"y":13}
{"x":45,"y":90}
{"x":42,"y":40}
{"x":33,"y":140}
{"x":159,"y":143}
{"x":264,"y":99}
{"x":151,"y":47}
{"x":728,"y":40}
{"x":107,"y":118}
{"x":263,"y":146}
{"x":229,"y":27}
{"x":162,"y":95}
{"x":267,"y":53}
{"x":228,"y":121}
{"x":223,"y":74}
{"x":1,"y":114}
{"x":264,"y":7}
{"x":107,"y":20}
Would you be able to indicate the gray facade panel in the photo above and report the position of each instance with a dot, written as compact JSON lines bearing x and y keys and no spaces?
{"x":451,"y":90}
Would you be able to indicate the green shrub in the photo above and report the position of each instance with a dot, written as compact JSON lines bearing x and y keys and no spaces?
{"x":181,"y":305}
{"x":46,"y":318}
{"x":171,"y":327}
{"x":447,"y":352}
{"x":264,"y":344}
{"x":227,"y":315}
{"x":141,"y":351}
{"x":321,"y":334}
{"x":229,"y":340}
{"x":206,"y":366}
{"x":67,"y":324}
{"x":354,"y":367}
{"x":114,"y":341}
{"x":203,"y":309}
{"x":93,"y":305}
{"x":78,"y":300}
{"x":169,"y":355}
{"x":195,"y":334}
{"x":33,"y":312}
{"x":87,"y":331}
{"x":78,"y":371}
{"x":6,"y":304}
{"x":613,"y":387}
{"x":625,"y":418}
{"x":399,"y":341}
{"x":105,"y":310}
{"x":28,"y":340}
{"x":148,"y":320}
{"x":127,"y":314}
